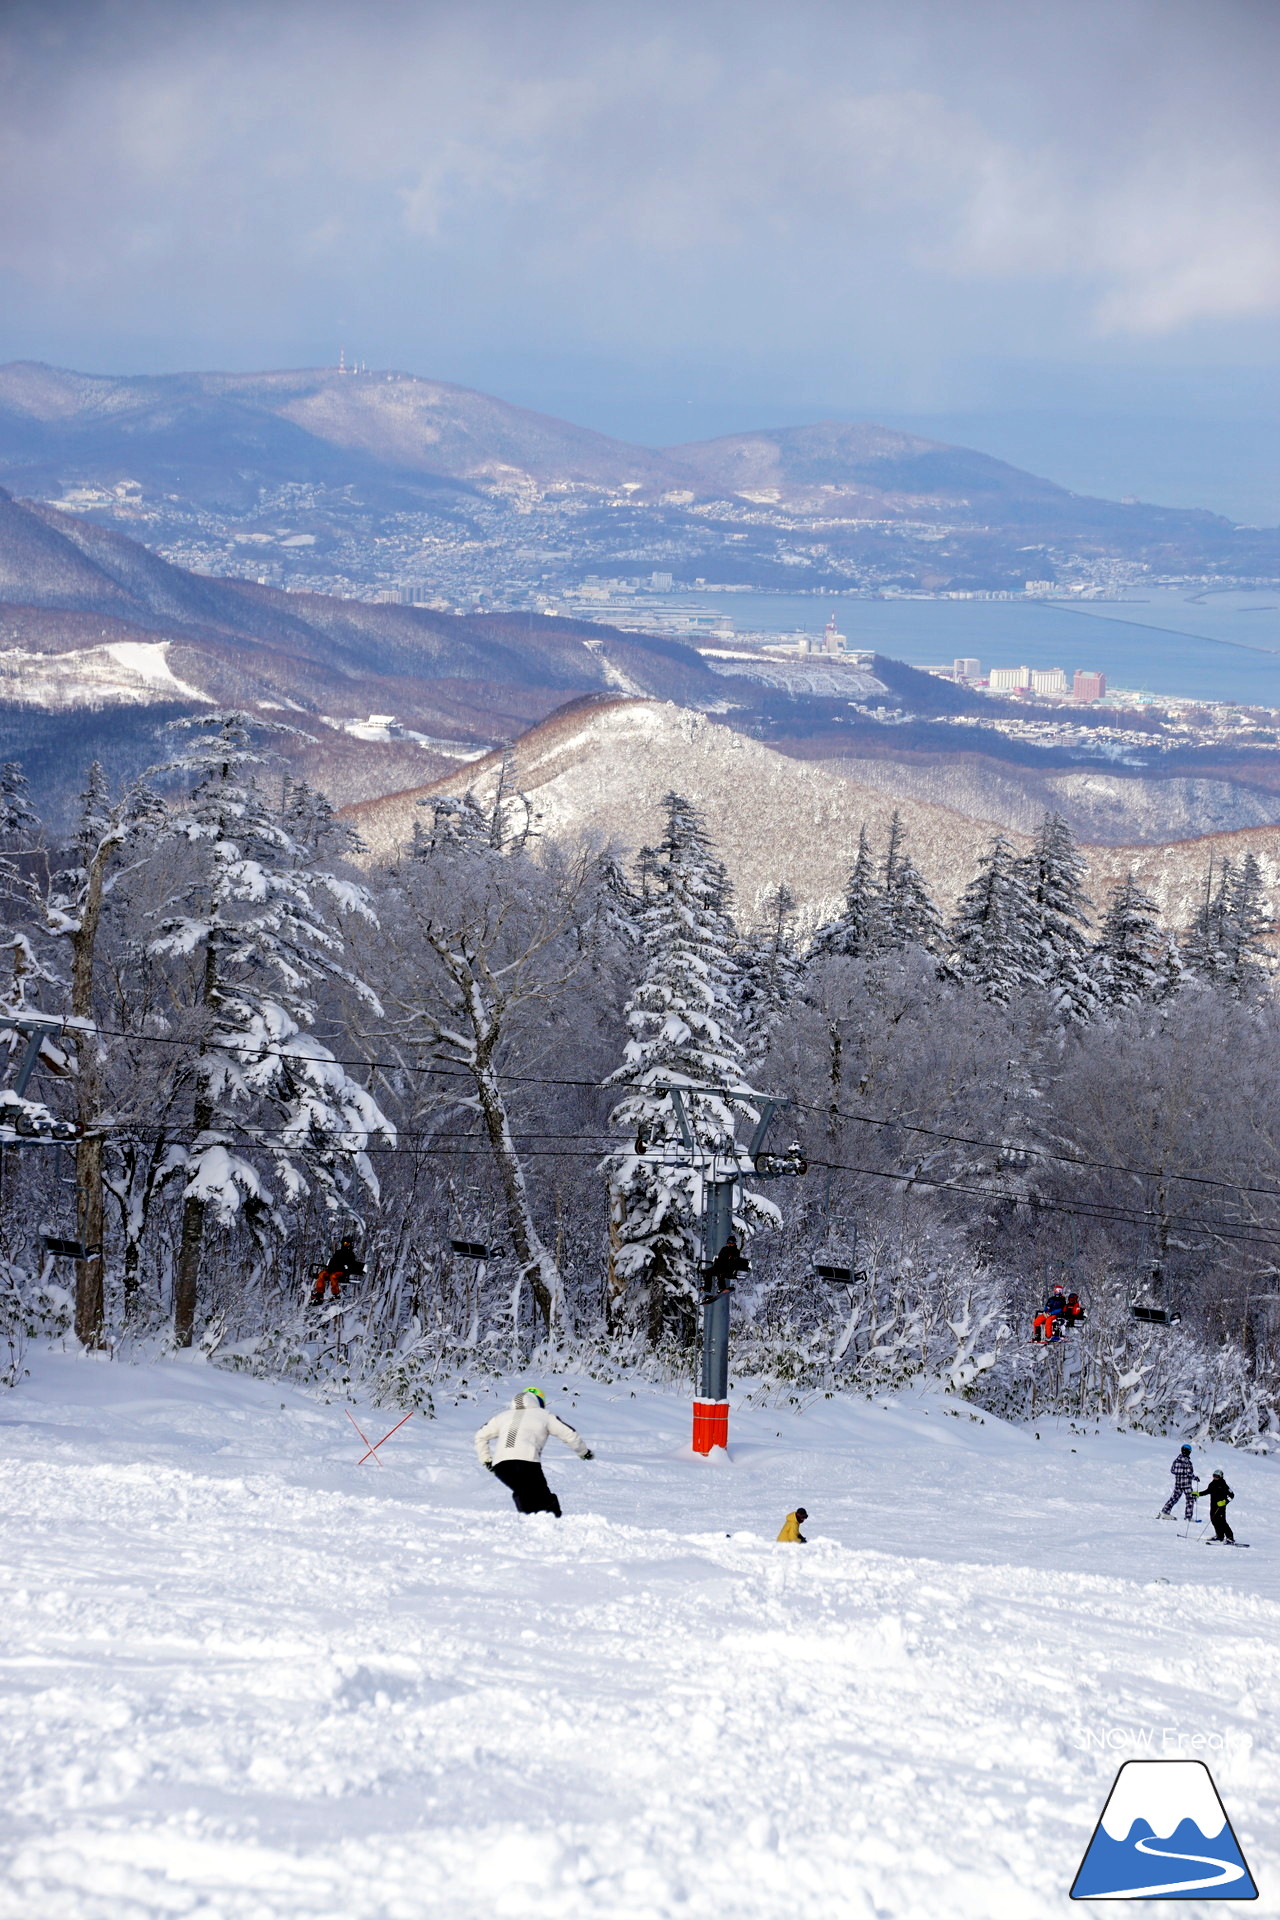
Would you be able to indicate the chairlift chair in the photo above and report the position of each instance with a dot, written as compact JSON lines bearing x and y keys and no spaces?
{"x":1153,"y":1308}
{"x":63,"y":1247}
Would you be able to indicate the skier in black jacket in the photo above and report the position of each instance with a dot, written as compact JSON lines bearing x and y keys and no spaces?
{"x":1219,"y":1493}
{"x":345,"y":1265}
{"x":726,"y":1266}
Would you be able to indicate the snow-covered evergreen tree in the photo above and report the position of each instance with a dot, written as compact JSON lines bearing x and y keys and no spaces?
{"x":620,"y":906}
{"x":25,"y":969}
{"x":769,"y":971}
{"x":992,"y":939}
{"x":682,"y":1021}
{"x":310,"y":819}
{"x":457,"y":825}
{"x":854,"y":934}
{"x":907,"y":916}
{"x":1249,"y":922}
{"x":912,"y":920}
{"x":1204,"y":944}
{"x":1054,"y":872}
{"x":17,"y":815}
{"x":1225,"y":945}
{"x":249,"y":920}
{"x":1130,"y":958}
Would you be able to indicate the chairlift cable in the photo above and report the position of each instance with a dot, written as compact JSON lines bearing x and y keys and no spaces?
{"x":454,"y":1071}
{"x":1099,"y":1211}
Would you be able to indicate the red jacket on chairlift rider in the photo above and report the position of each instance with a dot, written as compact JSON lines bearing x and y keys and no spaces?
{"x":1061,"y":1311}
{"x":1064,"y":1306}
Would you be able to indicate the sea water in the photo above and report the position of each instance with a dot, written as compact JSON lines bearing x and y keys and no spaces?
{"x":1197,"y":644}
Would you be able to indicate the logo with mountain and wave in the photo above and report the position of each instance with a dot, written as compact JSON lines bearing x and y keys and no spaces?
{"x":1164,"y":1835}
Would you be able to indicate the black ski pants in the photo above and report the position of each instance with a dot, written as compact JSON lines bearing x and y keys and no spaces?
{"x":1220,"y":1526}
{"x":528,"y":1485}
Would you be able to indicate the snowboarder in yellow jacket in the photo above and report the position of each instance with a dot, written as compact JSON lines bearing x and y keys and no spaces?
{"x":791,"y":1526}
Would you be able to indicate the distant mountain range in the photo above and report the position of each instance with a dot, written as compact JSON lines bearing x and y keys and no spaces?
{"x":94,"y":626}
{"x":835,"y":501}
{"x":103,"y":637}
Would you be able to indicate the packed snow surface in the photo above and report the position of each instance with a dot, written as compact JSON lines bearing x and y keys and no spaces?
{"x":249,"y":1678}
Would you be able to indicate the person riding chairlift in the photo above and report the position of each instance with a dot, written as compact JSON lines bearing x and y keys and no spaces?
{"x":345,"y":1265}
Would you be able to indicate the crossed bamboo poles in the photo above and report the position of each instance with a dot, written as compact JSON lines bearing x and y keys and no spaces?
{"x":373,"y":1447}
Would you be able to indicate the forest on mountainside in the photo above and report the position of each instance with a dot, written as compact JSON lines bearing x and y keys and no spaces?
{"x":462,"y":1063}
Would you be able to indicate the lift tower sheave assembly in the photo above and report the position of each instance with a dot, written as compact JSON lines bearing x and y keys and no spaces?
{"x":722,"y":1169}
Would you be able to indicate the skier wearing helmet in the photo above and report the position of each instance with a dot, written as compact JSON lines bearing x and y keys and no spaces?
{"x":510,"y":1446}
{"x":1183,"y":1481}
{"x":1219,"y":1493}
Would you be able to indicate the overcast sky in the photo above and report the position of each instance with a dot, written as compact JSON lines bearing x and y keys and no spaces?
{"x":654,"y":216}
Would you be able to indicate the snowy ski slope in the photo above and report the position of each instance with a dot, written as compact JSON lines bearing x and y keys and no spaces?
{"x":245,"y":1679}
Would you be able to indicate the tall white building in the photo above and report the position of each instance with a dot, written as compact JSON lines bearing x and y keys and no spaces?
{"x":966,"y":669}
{"x":1010,"y":680}
{"x":1049,"y":680}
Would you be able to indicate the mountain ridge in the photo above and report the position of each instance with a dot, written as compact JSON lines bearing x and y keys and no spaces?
{"x":444,"y":433}
{"x":598,"y":767}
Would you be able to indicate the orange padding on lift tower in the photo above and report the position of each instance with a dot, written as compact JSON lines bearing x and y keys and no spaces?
{"x":710,"y":1425}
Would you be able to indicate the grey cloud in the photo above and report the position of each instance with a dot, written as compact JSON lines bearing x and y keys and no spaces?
{"x":908,"y":176}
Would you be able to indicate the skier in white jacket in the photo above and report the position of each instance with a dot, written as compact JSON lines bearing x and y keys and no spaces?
{"x":511,"y":1444}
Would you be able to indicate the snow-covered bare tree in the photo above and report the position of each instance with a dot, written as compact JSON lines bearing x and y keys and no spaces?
{"x":107,"y":832}
{"x":503,"y":940}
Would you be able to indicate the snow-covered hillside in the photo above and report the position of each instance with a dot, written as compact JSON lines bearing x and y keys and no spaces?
{"x":251,"y":1679}
{"x":601,"y":767}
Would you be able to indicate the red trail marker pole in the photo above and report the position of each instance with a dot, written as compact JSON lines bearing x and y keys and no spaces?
{"x":372,"y":1449}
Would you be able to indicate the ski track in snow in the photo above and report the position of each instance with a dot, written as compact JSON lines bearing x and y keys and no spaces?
{"x":244,"y":1679}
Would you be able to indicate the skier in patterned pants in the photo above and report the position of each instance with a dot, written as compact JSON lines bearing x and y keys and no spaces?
{"x":1183,"y":1481}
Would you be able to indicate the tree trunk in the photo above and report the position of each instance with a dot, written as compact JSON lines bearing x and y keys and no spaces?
{"x":89,"y":1300}
{"x":536,"y":1264}
{"x":615,"y":1285}
{"x":186,"y":1279}
{"x":89,"y":1147}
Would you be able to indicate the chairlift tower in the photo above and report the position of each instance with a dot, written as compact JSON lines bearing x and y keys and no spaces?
{"x":723,"y":1168}
{"x":21,"y":1120}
